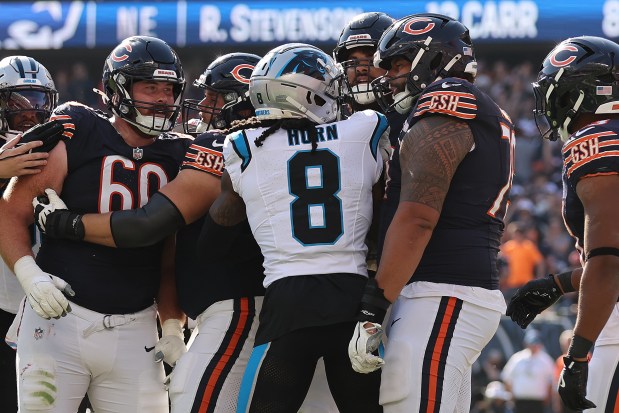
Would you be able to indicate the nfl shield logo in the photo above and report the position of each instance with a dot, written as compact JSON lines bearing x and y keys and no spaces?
{"x":138,"y":153}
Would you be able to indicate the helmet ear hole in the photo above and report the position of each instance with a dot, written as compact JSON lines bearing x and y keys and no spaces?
{"x":564,"y":100}
{"x":436,"y":61}
{"x":319,"y":101}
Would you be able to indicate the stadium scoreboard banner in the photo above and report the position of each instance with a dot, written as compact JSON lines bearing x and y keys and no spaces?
{"x":79,"y":24}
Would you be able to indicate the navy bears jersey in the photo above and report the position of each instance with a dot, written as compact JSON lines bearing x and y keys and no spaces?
{"x":106,"y":174}
{"x":239,"y":274}
{"x":466,"y":239}
{"x":593,"y":150}
{"x":394,"y":173}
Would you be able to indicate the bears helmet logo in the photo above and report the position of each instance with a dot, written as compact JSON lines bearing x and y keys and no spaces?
{"x":239,"y":76}
{"x":562,"y":63}
{"x":416,"y":32}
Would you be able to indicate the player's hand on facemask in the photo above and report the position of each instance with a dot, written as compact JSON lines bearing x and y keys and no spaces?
{"x":44,"y":291}
{"x":54,"y":219}
{"x":364,"y":343}
{"x":533,"y":298}
{"x":171,"y":345}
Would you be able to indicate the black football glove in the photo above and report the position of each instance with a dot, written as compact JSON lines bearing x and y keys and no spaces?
{"x":54,"y":219}
{"x":49,"y":133}
{"x":533,"y":298}
{"x":573,"y":384}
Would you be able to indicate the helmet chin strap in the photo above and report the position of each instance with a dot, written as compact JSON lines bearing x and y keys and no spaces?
{"x":304,"y":110}
{"x":563,"y":133}
{"x":403,"y":101}
{"x":202,"y":127}
{"x":157,"y":125}
{"x":363,"y":94}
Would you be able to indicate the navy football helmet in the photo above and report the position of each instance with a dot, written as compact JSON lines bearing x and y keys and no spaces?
{"x":140,"y":58}
{"x":227,"y":76}
{"x":364,"y":30}
{"x":26,"y":89}
{"x":580,"y":75}
{"x":437,"y":47}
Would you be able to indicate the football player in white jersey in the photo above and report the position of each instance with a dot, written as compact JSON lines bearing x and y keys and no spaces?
{"x":304,"y":182}
{"x":27,"y":97}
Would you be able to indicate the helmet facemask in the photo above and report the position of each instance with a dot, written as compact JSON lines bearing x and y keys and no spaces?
{"x":136,"y":59}
{"x":297,"y":81}
{"x":437,"y":47}
{"x":27,"y":95}
{"x":123,"y":104}
{"x":22,"y":101}
{"x":578,"y":77}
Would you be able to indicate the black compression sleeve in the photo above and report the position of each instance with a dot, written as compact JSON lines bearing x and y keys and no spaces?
{"x":148,"y":225}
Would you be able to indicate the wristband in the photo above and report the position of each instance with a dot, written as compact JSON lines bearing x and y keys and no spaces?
{"x":374,"y":305}
{"x":565,"y":281}
{"x":579,"y":347}
{"x":65,"y":224}
{"x":172,"y":327}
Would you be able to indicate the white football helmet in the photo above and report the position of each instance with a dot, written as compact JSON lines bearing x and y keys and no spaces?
{"x":296,"y":80}
{"x":26,"y":87}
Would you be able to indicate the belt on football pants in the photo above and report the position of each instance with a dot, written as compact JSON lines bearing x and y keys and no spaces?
{"x":108,"y":322}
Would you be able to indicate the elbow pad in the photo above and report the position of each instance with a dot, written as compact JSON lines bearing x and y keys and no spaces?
{"x":148,"y":225}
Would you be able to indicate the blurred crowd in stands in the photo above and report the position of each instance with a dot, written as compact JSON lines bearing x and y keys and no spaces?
{"x":535,"y":242}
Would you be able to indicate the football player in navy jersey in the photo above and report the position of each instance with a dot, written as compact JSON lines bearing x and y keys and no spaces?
{"x":440,"y":253}
{"x":95,"y":343}
{"x":355,"y":52}
{"x":576,"y":100}
{"x":223,"y":294}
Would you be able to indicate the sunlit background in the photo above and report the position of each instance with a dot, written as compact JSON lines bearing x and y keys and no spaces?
{"x":72,"y":40}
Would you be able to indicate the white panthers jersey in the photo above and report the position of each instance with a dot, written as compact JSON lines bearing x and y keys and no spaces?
{"x":310,"y":211}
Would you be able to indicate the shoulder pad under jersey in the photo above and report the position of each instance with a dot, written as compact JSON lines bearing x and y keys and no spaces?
{"x":451,"y":97}
{"x":593,"y":150}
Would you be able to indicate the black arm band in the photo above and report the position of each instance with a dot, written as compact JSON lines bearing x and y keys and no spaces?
{"x":602,"y":251}
{"x":579,"y":347}
{"x":216,"y":240}
{"x":148,"y":225}
{"x":374,"y":305}
{"x":565,"y":279}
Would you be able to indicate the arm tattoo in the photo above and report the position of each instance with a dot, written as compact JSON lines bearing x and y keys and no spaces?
{"x":229,"y":208}
{"x":429,"y":155}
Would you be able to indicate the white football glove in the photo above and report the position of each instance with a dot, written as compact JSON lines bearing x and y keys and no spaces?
{"x":171,"y":345}
{"x":44,"y":291}
{"x":43,"y":207}
{"x":365,"y":340}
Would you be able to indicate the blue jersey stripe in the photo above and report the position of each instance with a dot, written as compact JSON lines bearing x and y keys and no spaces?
{"x":381,"y":127}
{"x":241,"y":147}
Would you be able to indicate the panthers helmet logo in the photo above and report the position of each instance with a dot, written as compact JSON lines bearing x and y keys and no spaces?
{"x":306,"y":62}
